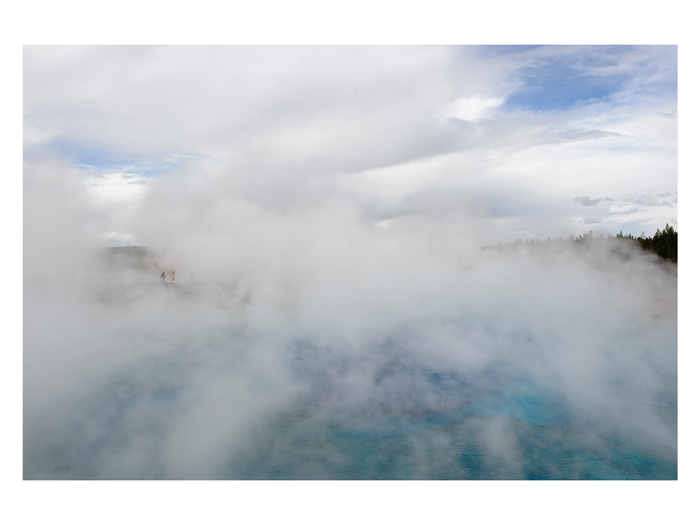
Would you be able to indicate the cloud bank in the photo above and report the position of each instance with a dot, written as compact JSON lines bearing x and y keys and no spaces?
{"x":384,"y":126}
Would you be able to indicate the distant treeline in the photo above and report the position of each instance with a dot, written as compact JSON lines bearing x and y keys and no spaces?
{"x":664,"y":243}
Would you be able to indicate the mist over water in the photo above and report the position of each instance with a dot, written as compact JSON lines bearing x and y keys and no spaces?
{"x":319,"y":344}
{"x":341,"y":308}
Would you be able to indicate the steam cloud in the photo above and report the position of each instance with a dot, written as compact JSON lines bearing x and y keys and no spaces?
{"x":334,"y":313}
{"x":318,"y":342}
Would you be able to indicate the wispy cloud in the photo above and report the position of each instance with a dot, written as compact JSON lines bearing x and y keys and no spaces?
{"x":650,"y":200}
{"x":587,"y":201}
{"x":615,"y":209}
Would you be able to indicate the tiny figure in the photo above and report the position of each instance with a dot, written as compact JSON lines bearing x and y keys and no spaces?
{"x":162,"y":277}
{"x":173,"y":276}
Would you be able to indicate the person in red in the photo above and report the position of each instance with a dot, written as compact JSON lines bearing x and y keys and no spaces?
{"x":172,"y":276}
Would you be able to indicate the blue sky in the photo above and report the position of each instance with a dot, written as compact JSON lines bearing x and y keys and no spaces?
{"x":589,"y":76}
{"x":557,"y":86}
{"x":98,"y":159}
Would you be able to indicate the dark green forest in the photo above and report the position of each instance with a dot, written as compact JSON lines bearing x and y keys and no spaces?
{"x":664,"y":243}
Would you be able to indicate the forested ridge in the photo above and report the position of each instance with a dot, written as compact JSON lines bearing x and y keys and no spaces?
{"x":664,"y":243}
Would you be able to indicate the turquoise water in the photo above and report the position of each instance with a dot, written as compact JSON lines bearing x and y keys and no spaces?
{"x":413,"y":422}
{"x":505,"y":427}
{"x":397,"y":448}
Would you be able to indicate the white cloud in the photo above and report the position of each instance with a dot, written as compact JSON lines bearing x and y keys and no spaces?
{"x":618,"y":210}
{"x":470,"y":108}
{"x":116,"y":188}
{"x":117,"y":239}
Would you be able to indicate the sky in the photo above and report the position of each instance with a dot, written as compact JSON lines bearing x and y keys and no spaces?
{"x":535,"y":141}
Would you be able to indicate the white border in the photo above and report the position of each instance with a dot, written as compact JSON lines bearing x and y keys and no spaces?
{"x":305,"y":22}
